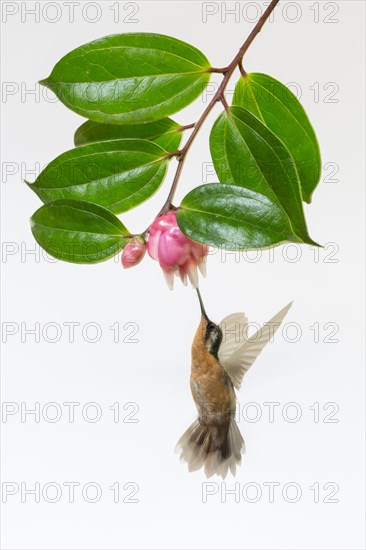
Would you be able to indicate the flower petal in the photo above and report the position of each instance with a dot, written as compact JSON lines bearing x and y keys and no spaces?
{"x":192,"y":273}
{"x":169,"y":278}
{"x":202,"y":267}
{"x":152,"y":245}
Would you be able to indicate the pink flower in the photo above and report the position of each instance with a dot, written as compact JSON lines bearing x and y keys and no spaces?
{"x":133,"y":252}
{"x":175,"y":252}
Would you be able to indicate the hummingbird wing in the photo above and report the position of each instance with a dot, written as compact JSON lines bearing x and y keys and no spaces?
{"x":233,"y":329}
{"x":237,"y":358}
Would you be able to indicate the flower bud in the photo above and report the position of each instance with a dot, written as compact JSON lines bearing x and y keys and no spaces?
{"x":133,"y":252}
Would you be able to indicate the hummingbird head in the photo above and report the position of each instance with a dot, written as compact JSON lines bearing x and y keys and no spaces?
{"x":212,"y":338}
{"x":211,"y":333}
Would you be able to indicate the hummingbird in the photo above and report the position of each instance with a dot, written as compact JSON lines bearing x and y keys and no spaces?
{"x":221,"y":355}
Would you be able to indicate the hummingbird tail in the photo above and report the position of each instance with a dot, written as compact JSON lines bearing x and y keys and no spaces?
{"x":215,"y":447}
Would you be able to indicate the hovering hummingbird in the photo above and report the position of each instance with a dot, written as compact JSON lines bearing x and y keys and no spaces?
{"x":221,"y":355}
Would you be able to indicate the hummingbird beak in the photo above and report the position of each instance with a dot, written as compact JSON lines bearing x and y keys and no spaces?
{"x":203,"y":311}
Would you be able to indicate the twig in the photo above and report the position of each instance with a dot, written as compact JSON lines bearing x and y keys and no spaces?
{"x":219,"y":96}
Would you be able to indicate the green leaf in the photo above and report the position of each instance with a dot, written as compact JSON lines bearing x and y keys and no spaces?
{"x":232,"y":217}
{"x":165,"y":132}
{"x":78,"y":231}
{"x":246,"y":153}
{"x":279,"y":109}
{"x":118,"y":175}
{"x":130,"y":78}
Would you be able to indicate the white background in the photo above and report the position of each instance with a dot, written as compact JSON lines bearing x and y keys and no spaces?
{"x":154,"y":373}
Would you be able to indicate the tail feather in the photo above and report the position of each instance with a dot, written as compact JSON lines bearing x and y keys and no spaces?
{"x":216,"y":448}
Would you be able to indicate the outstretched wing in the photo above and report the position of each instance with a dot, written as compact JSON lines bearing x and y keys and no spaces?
{"x":233,"y":330}
{"x":238,"y":357}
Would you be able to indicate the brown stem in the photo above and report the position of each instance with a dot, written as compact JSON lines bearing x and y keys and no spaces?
{"x":225,"y":103}
{"x":221,"y":70}
{"x":241,"y":69}
{"x":219,"y":96}
{"x":187,"y":126}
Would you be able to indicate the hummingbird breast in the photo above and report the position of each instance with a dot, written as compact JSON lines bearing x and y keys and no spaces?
{"x":212,"y":389}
